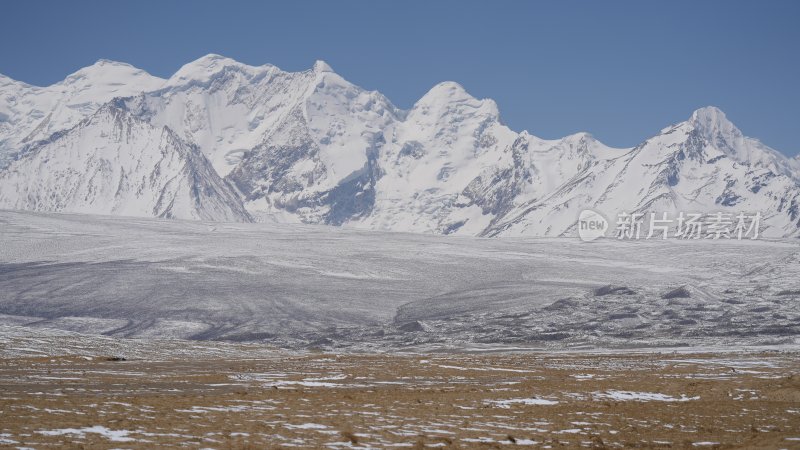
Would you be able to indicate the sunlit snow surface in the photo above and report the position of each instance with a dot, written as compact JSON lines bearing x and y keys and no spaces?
{"x":300,"y":286}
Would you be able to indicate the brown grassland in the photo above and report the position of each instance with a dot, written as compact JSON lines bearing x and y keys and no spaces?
{"x":665,"y":400}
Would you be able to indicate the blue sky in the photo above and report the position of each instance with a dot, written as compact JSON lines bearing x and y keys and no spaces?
{"x":620,"y":70}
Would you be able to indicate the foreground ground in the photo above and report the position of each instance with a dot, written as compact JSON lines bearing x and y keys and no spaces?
{"x":275,"y":399}
{"x":267,"y":336}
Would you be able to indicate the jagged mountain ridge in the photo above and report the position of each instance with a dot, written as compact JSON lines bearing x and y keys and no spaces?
{"x":311,"y":147}
{"x":681,"y":169}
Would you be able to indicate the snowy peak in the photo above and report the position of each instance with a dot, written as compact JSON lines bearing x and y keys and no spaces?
{"x":580,"y":139}
{"x":710,"y":117}
{"x":207,"y":67}
{"x":447,"y":91}
{"x":709,"y":133}
{"x":211,"y":61}
{"x":321,"y":66}
{"x":111,"y":73}
{"x":715,"y":127}
{"x":449,"y":103}
{"x":450,"y":93}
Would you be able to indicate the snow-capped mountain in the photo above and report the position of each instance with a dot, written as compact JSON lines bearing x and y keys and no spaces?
{"x":224,"y":140}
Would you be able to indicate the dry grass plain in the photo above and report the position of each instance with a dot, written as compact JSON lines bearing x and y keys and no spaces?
{"x":666,"y":400}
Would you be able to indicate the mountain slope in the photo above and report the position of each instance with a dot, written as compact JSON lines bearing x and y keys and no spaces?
{"x":289,"y":141}
{"x":443,"y":142}
{"x":113,"y":163}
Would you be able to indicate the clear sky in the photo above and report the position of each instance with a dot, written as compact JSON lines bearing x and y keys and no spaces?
{"x":620,"y":70}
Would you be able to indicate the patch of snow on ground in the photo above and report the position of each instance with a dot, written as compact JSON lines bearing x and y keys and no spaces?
{"x":307,"y":426}
{"x":523,"y":401}
{"x":111,"y":435}
{"x":641,"y":396}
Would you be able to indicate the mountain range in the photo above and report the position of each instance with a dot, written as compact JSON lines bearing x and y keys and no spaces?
{"x":224,"y":141}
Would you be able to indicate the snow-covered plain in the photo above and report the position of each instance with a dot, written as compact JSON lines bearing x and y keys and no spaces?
{"x":307,"y":286}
